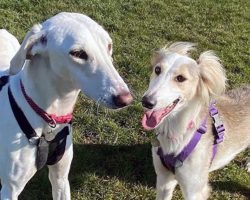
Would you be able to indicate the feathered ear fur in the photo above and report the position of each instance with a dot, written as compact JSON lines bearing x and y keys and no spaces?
{"x":33,"y":43}
{"x":212,"y":74}
{"x":182,"y":48}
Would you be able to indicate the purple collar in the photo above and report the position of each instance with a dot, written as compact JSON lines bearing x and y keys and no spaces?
{"x":171,"y":162}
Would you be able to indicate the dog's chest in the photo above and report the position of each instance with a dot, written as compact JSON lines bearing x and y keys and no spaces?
{"x":50,"y":142}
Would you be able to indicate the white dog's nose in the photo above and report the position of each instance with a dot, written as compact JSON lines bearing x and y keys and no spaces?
{"x":122,"y":99}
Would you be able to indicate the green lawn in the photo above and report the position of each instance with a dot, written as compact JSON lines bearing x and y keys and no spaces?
{"x":112,"y":156}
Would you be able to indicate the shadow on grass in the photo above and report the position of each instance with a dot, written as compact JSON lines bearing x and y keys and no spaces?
{"x":131,"y":164}
{"x":231,"y":187}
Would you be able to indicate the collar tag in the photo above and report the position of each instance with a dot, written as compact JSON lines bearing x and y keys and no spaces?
{"x":49,"y":133}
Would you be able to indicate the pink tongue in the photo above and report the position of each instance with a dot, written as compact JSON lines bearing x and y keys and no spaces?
{"x":152,"y":118}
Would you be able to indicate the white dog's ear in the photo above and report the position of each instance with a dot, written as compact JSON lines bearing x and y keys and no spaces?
{"x":34,"y":43}
{"x":213,"y":78}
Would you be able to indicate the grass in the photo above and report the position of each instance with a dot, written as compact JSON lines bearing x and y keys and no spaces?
{"x":112,"y":156}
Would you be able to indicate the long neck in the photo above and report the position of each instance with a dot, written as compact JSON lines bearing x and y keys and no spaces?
{"x":178,"y":128}
{"x":47,"y":89}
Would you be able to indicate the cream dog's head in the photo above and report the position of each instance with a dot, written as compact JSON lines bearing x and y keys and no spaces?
{"x":177,"y":80}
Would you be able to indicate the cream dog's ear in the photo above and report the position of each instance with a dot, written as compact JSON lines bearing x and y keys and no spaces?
{"x":183,"y":48}
{"x":34,"y":43}
{"x":213,"y":78}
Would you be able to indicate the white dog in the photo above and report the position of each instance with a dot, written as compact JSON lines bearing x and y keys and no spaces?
{"x":184,"y":103}
{"x":67,"y":53}
{"x":9,"y":45}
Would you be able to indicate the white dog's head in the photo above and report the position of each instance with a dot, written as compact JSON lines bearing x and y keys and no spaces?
{"x":177,"y":80}
{"x":79,"y":51}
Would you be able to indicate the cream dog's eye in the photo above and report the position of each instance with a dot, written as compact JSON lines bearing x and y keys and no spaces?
{"x":79,"y":54}
{"x":180,"y":78}
{"x":157,"y":70}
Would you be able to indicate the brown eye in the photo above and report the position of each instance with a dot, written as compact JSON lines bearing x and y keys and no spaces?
{"x":157,"y":70}
{"x":79,"y":54}
{"x":180,"y":78}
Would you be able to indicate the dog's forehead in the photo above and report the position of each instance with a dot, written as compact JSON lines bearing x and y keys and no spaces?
{"x":75,"y":26}
{"x":173,"y":61}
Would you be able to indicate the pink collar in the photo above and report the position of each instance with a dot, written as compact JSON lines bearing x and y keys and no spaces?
{"x":51,"y":119}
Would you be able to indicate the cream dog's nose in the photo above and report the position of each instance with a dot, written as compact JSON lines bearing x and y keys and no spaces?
{"x":147,"y":102}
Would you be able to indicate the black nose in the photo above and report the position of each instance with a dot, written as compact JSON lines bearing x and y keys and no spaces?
{"x":147,"y":102}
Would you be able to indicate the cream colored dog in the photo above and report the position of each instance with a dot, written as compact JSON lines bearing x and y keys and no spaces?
{"x":177,"y":100}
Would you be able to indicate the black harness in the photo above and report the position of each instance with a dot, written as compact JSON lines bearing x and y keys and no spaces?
{"x":3,"y":81}
{"x":48,"y":152}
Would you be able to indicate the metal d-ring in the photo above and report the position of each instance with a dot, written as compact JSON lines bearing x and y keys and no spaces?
{"x":52,"y":123}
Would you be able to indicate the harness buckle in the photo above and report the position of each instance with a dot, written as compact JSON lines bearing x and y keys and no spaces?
{"x":217,"y":121}
{"x":202,"y":129}
{"x":52,"y":123}
{"x":219,"y":140}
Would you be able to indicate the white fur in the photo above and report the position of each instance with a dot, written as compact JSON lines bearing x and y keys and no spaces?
{"x":205,"y":81}
{"x":8,"y":48}
{"x":53,"y":79}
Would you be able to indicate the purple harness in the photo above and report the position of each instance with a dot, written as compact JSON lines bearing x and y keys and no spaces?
{"x":171,"y":162}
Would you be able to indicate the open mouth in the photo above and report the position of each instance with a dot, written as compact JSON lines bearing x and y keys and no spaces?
{"x":152,"y":118}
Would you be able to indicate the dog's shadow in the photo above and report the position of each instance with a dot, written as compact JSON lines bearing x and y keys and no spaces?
{"x":128,"y":163}
{"x":131,"y":164}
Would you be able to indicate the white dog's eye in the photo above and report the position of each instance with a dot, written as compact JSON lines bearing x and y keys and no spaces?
{"x":157,"y":70}
{"x":180,"y":78}
{"x":79,"y":54}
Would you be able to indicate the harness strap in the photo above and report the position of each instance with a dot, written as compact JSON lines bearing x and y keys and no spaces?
{"x":171,"y":162}
{"x":218,"y":129}
{"x":51,"y":119}
{"x":47,"y":152}
{"x":21,"y":119}
{"x":3,"y":81}
{"x":57,"y":146}
{"x":42,"y":152}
